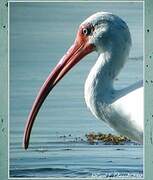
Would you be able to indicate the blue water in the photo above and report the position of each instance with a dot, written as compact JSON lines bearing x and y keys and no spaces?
{"x":40,"y":33}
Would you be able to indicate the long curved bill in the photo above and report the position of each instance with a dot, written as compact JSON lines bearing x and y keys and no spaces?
{"x":77,"y":51}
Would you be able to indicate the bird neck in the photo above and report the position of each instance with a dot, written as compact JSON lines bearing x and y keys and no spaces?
{"x":99,"y":83}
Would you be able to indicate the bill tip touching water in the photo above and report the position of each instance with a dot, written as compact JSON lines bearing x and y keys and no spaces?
{"x":109,"y":36}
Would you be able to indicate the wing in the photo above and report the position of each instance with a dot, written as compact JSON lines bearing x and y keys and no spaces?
{"x":130,"y":108}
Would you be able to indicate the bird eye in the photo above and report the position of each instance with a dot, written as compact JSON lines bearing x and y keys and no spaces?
{"x":86,"y":31}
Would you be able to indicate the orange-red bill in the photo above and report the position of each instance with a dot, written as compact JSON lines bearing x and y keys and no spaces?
{"x":78,"y":50}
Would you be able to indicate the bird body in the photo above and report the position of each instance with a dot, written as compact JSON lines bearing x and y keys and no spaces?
{"x":115,"y":109}
{"x":120,"y":109}
{"x":109,"y":36}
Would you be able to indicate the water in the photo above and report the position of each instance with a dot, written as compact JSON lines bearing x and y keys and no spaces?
{"x":40,"y":33}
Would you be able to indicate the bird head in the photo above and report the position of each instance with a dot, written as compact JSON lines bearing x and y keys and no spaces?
{"x":106,"y":32}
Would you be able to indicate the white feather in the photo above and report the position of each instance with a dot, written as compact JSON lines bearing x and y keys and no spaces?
{"x":121,"y":109}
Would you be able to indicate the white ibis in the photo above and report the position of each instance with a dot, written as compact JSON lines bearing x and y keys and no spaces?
{"x":109,"y":36}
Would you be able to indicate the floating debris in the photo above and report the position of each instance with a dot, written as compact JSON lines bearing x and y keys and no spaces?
{"x":93,"y":138}
{"x":64,"y":136}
